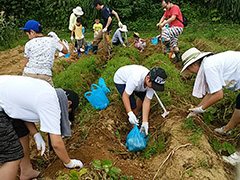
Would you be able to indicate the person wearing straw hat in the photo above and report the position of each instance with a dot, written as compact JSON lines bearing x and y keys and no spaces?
{"x":139,"y":42}
{"x":214,"y":72}
{"x":117,"y":37}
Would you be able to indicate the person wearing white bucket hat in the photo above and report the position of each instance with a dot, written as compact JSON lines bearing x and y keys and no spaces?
{"x":77,"y":12}
{"x":215,"y":72}
{"x":117,"y":37}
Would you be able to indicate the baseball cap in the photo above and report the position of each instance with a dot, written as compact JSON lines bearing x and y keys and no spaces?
{"x":158,"y":78}
{"x":32,"y":25}
{"x":96,"y":2}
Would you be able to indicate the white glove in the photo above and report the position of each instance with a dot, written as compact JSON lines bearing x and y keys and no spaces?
{"x":104,"y":30}
{"x":124,"y":45}
{"x":197,"y":110}
{"x":144,"y":128}
{"x":74,"y":163}
{"x":54,"y":35}
{"x":120,"y":24}
{"x":132,"y":118}
{"x":191,"y":114}
{"x":40,"y":142}
{"x":72,"y":38}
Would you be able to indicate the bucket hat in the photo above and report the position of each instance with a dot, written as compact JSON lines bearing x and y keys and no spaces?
{"x":123,"y":29}
{"x":191,"y":56}
{"x":78,"y":11}
{"x":158,"y":78}
{"x":136,"y":34}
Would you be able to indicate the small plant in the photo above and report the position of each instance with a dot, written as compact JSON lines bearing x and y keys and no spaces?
{"x":107,"y":169}
{"x":74,"y":175}
{"x":224,"y":147}
{"x":117,"y":134}
{"x":208,"y":116}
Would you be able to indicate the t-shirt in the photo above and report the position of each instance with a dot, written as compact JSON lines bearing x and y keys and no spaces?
{"x":72,"y":21}
{"x":31,"y":100}
{"x":78,"y":32}
{"x":41,"y":54}
{"x":106,"y":13}
{"x":175,"y":10}
{"x":222,"y":70}
{"x":97,"y":27}
{"x":117,"y":36}
{"x":133,"y":76}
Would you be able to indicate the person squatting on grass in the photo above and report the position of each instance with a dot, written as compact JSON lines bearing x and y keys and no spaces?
{"x":138,"y":80}
{"x":79,"y":36}
{"x":41,"y":105}
{"x":107,"y":14}
{"x":117,"y":37}
{"x":40,"y":52}
{"x":215,"y":72}
{"x":139,"y":42}
{"x":170,"y":35}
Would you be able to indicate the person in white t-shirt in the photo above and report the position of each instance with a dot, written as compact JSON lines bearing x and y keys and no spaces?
{"x":40,"y":51}
{"x":138,"y":80}
{"x":215,"y":72}
{"x":31,"y":100}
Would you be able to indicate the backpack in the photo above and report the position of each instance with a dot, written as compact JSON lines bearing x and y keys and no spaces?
{"x":184,"y":22}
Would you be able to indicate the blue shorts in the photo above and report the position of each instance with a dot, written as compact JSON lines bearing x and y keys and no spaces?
{"x":141,"y":95}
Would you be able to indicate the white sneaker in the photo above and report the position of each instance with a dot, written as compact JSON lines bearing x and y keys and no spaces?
{"x":220,"y":131}
{"x":233,"y":159}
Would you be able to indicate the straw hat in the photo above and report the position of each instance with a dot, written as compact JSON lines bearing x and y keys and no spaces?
{"x":78,"y":11}
{"x":191,"y":56}
{"x":123,"y":29}
{"x":136,"y":34}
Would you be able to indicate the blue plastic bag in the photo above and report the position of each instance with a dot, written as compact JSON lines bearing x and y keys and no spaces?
{"x":154,"y":41}
{"x":136,"y":140}
{"x":97,"y":97}
{"x":102,"y":85}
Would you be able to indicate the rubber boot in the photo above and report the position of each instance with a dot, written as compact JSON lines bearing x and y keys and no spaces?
{"x":94,"y":48}
{"x":177,"y":57}
{"x":79,"y":53}
{"x":86,"y":49}
{"x":168,"y":49}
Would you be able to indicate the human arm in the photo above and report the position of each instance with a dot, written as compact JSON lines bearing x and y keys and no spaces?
{"x":161,"y":21}
{"x":26,"y":61}
{"x":162,"y":24}
{"x":145,"y":110}
{"x":117,"y":17}
{"x":108,"y":24}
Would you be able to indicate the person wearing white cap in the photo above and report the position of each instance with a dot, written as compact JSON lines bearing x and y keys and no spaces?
{"x":77,"y":12}
{"x":215,"y":72}
{"x":117,"y":37}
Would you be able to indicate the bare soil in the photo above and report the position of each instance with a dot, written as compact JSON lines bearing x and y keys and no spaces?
{"x":98,"y":140}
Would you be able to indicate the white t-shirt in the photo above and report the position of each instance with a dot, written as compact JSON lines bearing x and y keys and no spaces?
{"x":133,"y":76}
{"x":41,"y":54}
{"x":222,"y":70}
{"x":72,"y":21}
{"x":31,"y":100}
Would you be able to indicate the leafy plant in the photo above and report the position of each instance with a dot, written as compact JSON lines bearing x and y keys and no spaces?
{"x":74,"y":175}
{"x":108,"y":169}
{"x":208,"y":116}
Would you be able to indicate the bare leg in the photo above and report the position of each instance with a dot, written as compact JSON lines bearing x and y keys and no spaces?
{"x":9,"y":170}
{"x":234,"y":121}
{"x":139,"y":106}
{"x":27,"y":172}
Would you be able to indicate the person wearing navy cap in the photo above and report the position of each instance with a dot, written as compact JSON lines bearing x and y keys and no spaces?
{"x":40,"y":51}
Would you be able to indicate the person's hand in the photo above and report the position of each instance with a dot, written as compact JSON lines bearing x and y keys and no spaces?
{"x":124,"y":45}
{"x":132,"y":118}
{"x":158,"y":24}
{"x":104,"y":30}
{"x":54,"y":35}
{"x":192,"y":114}
{"x":144,"y":128}
{"x":74,"y":163}
{"x":72,"y":38}
{"x":40,"y":142}
{"x":120,"y":24}
{"x":197,"y":110}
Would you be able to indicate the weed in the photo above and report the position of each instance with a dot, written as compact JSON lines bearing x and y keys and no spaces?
{"x":74,"y":175}
{"x":204,"y":164}
{"x":117,"y":134}
{"x":224,"y":147}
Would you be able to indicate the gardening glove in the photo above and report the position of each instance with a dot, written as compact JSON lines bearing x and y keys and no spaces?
{"x":104,"y":30}
{"x":74,"y":163}
{"x":72,"y":38}
{"x":120,"y":24}
{"x":132,"y":118}
{"x":197,"y":110}
{"x":191,"y":114}
{"x":124,"y":45}
{"x":40,"y":142}
{"x":144,"y":128}
{"x":54,"y":35}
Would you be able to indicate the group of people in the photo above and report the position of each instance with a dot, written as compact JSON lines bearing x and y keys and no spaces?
{"x":31,"y":98}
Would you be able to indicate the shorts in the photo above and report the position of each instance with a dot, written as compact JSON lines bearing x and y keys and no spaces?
{"x":11,"y":148}
{"x":20,"y":127}
{"x":81,"y":42}
{"x":238,"y":102}
{"x":141,"y":95}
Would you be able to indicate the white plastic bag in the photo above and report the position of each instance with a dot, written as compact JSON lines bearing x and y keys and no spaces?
{"x":65,"y":42}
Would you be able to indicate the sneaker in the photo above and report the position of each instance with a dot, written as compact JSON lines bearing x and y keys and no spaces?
{"x":220,"y":131}
{"x":233,"y":159}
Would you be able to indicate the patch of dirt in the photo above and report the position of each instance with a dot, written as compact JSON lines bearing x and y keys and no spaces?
{"x":98,"y":140}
